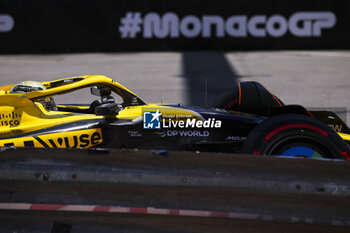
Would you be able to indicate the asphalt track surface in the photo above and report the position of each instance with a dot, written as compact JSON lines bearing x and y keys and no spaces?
{"x":41,"y":222}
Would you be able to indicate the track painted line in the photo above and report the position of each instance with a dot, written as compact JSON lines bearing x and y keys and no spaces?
{"x":166,"y":212}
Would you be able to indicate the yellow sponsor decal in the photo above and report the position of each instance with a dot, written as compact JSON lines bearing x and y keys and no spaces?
{"x":75,"y":139}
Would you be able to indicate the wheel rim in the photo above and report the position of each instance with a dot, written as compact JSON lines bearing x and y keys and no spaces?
{"x":302,"y":151}
{"x":298,"y":146}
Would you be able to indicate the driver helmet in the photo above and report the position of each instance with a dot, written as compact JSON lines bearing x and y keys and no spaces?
{"x":29,"y":86}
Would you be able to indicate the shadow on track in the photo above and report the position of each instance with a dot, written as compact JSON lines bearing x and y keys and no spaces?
{"x":210,"y":78}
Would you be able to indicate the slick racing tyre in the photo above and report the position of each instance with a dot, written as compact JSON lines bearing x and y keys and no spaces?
{"x":295,"y":135}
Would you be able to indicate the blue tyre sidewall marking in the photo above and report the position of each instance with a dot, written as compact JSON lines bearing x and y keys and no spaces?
{"x":299,"y":150}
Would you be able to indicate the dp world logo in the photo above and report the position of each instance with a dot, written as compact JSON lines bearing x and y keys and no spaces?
{"x":151,"y":120}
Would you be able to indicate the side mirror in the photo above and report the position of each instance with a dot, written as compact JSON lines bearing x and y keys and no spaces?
{"x":100,"y":91}
{"x":108,"y":109}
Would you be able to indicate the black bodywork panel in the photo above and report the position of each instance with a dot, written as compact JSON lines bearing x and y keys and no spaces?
{"x":228,"y":138}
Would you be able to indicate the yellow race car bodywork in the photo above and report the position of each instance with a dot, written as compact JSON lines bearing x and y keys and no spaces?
{"x":22,"y":113}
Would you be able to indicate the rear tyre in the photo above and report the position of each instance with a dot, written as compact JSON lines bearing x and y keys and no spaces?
{"x":295,"y":135}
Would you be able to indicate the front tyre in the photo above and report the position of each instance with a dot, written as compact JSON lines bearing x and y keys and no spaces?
{"x":295,"y":135}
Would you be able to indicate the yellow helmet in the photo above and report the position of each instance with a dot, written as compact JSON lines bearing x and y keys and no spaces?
{"x":27,"y":86}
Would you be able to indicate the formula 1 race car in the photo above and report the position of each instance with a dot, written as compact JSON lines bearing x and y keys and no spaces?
{"x":251,"y":121}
